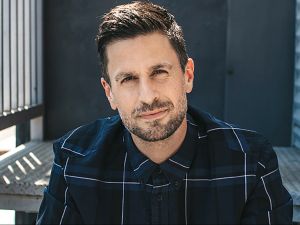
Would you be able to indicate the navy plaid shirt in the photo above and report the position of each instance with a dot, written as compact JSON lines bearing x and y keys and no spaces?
{"x":220,"y":175}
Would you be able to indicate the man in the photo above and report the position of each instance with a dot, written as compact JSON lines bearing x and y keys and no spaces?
{"x":159,"y":161}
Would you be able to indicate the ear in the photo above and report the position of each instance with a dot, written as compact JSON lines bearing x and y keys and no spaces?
{"x":189,"y":75}
{"x":108,"y":93}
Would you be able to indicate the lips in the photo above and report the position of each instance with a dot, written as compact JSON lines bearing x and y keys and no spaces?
{"x":154,"y":114}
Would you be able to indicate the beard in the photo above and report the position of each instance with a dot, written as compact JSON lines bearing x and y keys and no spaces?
{"x":156,"y":130}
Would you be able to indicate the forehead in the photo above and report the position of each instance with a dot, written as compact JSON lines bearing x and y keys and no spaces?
{"x":139,"y":53}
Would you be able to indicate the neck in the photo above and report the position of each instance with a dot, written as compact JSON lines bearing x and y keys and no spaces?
{"x":159,"y":151}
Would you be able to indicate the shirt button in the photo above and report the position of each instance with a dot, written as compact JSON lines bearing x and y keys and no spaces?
{"x":177,"y":184}
{"x":159,"y":171}
{"x":159,"y":197}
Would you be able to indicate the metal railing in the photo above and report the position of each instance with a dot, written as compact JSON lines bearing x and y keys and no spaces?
{"x":21,"y":69}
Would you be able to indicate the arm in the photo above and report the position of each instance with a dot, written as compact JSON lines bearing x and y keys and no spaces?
{"x":56,"y":207}
{"x":269,"y":203}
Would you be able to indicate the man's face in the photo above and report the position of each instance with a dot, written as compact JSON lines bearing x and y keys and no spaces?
{"x":148,"y":86}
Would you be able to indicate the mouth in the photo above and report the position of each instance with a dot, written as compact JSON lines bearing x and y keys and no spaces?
{"x":154,"y":114}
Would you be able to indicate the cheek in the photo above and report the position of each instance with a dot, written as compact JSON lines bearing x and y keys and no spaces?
{"x":125,"y":101}
{"x":176,"y":90}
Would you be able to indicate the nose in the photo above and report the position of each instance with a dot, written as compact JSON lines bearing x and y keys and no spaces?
{"x":148,"y":92}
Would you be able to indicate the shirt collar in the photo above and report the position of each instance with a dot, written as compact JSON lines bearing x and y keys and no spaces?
{"x":175,"y":168}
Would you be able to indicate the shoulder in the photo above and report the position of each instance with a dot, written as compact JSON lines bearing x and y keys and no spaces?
{"x":85,"y":139}
{"x":226,"y":138}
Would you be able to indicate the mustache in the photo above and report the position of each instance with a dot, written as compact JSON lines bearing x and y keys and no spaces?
{"x":156,"y":104}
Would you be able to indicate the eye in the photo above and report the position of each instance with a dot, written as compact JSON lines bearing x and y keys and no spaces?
{"x":127,"y":79}
{"x":157,"y":72}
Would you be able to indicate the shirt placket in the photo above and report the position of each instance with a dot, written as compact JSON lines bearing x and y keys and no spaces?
{"x":159,"y":198}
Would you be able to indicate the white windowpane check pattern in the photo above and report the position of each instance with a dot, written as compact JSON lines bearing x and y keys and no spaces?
{"x":221,"y":174}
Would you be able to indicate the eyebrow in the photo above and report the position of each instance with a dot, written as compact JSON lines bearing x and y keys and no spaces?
{"x":161,"y":65}
{"x":121,"y":75}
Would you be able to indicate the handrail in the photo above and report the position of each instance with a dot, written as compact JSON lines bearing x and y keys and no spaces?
{"x":21,"y":116}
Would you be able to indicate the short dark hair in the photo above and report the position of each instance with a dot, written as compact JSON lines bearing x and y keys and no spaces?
{"x":138,"y":18}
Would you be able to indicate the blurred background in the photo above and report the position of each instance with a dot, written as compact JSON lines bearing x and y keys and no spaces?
{"x":247,"y":72}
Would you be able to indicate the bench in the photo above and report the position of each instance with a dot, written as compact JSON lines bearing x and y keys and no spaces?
{"x":24,"y":172}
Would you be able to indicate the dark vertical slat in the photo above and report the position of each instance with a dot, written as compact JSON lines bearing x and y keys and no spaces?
{"x":24,"y":53}
{"x":17,"y":59}
{"x":9,"y":58}
{"x":22,"y":133}
{"x":25,"y":218}
{"x":36,"y":51}
{"x":30,"y":52}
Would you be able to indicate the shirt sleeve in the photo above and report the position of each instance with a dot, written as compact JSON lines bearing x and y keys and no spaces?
{"x":269,"y":202}
{"x":56,"y":206}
